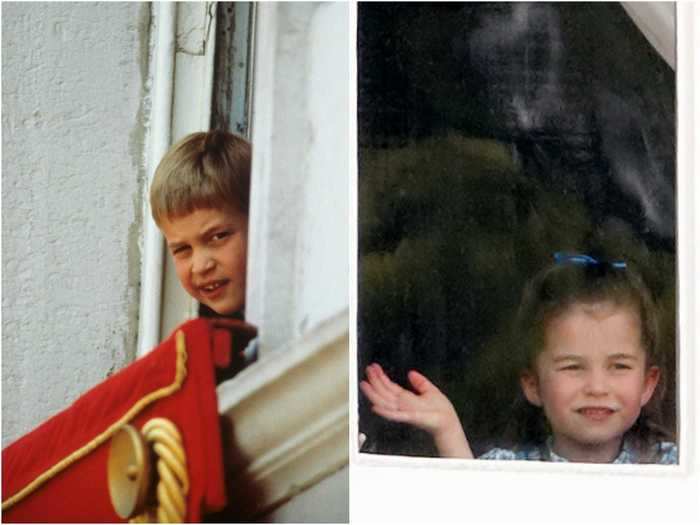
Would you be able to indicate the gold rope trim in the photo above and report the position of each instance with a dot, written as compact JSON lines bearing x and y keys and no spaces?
{"x":174,"y":483}
{"x":180,"y":373}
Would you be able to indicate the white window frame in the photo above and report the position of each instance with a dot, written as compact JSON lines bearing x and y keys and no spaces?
{"x":182,"y":72}
{"x":296,"y":394}
{"x":436,"y":490}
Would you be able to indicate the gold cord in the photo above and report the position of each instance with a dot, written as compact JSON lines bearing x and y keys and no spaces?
{"x":180,"y":373}
{"x":173,"y":481}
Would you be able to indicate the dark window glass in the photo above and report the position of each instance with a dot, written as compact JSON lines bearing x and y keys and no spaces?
{"x":490,"y":136}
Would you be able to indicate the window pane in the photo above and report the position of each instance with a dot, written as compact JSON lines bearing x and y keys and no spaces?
{"x":490,"y":136}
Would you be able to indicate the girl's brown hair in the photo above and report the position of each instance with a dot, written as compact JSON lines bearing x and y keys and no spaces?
{"x":203,"y":170}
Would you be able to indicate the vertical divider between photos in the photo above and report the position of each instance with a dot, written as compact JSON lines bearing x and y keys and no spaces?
{"x":353,"y":211}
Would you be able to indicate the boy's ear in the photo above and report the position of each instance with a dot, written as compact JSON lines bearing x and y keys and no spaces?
{"x":651,"y":379}
{"x":531,"y":387}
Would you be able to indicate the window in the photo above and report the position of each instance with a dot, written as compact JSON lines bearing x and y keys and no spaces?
{"x":438,"y":491}
{"x":492,"y":135}
{"x":293,"y":106}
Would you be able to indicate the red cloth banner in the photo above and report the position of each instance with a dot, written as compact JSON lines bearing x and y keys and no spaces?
{"x":79,"y":492}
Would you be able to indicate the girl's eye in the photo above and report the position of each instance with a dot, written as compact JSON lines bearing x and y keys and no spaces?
{"x":621,"y":366}
{"x":180,"y":250}
{"x":571,"y":367}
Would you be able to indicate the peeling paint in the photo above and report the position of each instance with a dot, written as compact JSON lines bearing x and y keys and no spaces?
{"x":137,"y":148}
{"x":145,"y":35}
{"x":134,"y":285}
{"x":192,"y":23}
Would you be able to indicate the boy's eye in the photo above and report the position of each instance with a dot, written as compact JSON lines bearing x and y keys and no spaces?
{"x":180,"y":250}
{"x":220,"y":235}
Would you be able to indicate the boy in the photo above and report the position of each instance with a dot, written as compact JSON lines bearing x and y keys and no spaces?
{"x":199,"y":200}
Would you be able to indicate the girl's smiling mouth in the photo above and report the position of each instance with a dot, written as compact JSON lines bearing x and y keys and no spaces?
{"x":596,"y":413}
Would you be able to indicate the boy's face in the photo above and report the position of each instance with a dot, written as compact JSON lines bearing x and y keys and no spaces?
{"x":591,"y":379}
{"x":209,"y":248}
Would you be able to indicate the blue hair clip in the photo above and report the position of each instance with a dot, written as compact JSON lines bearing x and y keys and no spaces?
{"x":586,"y":260}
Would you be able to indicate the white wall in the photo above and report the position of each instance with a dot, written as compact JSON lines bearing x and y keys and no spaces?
{"x":326,"y":502}
{"x":74,"y":81}
{"x":298,"y":238}
{"x":322,"y":282}
{"x":298,"y":243}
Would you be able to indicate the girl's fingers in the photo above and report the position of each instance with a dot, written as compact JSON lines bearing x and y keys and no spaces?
{"x":388,"y":383}
{"x":375,"y":397}
{"x":405,"y":401}
{"x":374,"y":375}
{"x":420,"y":382}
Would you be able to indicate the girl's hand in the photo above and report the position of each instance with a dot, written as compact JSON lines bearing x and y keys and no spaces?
{"x":428,"y":409}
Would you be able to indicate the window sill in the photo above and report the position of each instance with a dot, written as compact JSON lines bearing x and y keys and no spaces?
{"x":287,"y":419}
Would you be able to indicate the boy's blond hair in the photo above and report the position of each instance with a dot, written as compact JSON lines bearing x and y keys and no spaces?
{"x":203,"y":170}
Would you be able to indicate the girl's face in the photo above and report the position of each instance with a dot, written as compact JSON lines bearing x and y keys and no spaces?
{"x":591,"y":379}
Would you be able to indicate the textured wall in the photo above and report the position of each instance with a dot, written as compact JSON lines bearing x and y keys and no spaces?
{"x":73,"y":84}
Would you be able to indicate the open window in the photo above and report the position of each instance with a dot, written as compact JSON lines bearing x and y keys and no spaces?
{"x":287,"y":413}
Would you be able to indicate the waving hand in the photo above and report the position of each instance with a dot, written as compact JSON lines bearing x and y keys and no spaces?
{"x":427,"y":408}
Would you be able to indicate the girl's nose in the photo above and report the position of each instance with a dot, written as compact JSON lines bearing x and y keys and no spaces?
{"x":597,"y":383}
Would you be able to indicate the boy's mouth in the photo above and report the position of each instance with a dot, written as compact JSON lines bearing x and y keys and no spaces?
{"x":213,"y":286}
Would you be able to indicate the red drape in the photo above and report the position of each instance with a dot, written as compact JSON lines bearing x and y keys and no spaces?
{"x":80,"y":492}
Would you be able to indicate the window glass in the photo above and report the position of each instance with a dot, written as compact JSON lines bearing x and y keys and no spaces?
{"x":490,"y":136}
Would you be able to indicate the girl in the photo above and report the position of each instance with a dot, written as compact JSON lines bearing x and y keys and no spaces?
{"x":589,"y":363}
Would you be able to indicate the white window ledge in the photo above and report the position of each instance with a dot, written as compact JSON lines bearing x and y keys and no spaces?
{"x":288,"y":419}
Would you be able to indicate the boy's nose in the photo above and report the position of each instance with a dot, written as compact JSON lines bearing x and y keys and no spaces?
{"x":202,"y":263}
